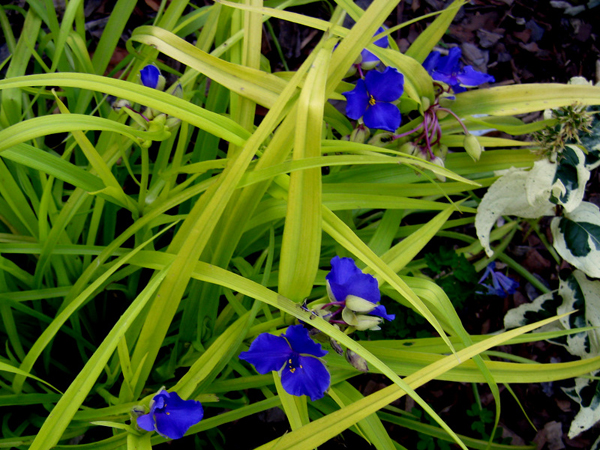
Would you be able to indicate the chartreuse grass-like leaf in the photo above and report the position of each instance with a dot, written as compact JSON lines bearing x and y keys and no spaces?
{"x":60,"y":417}
{"x":195,"y":233}
{"x":301,"y":245}
{"x":161,"y":101}
{"x":523,"y":98}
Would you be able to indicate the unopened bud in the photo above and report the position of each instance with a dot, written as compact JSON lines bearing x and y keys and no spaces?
{"x":368,"y":65}
{"x":358,"y":304}
{"x":176,"y":90}
{"x":351,"y":71}
{"x":360,"y":134}
{"x":172,"y":122}
{"x":409,"y":148}
{"x":381,"y":139}
{"x":357,"y":361}
{"x":472,"y":146}
{"x":360,"y":321}
{"x":121,"y":103}
{"x":440,"y":150}
{"x":336,"y":346}
{"x":439,"y":162}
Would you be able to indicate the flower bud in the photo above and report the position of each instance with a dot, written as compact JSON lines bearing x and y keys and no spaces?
{"x":121,"y":103}
{"x":472,"y":146}
{"x":360,"y":321}
{"x":357,"y":361}
{"x":351,"y":71}
{"x":409,"y":148}
{"x":441,"y":150}
{"x":368,"y":65}
{"x":439,"y":162}
{"x":358,"y":304}
{"x":360,"y":134}
{"x":381,"y":139}
{"x":336,"y":346}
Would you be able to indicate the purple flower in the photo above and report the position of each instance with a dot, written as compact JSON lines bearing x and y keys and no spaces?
{"x":170,"y":416}
{"x":368,"y":59}
{"x":447,"y":69}
{"x":296,"y":355}
{"x":503,"y":286}
{"x":151,"y":77}
{"x":371,"y":99}
{"x":356,"y":293}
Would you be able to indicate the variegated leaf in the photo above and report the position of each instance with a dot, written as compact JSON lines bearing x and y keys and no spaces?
{"x":577,"y":238}
{"x":517,"y":193}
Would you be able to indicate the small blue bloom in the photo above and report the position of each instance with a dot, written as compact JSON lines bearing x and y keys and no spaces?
{"x":368,"y":59}
{"x":447,"y":69}
{"x":151,"y":77}
{"x":296,"y":355}
{"x":503,"y":286}
{"x":170,"y":416}
{"x":357,"y":293}
{"x":371,"y":99}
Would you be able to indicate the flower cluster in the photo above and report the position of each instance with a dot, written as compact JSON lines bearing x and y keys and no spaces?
{"x":502,"y":286}
{"x":170,"y":416}
{"x":296,"y":356}
{"x":355,"y":295}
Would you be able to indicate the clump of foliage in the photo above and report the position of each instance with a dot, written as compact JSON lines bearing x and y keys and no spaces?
{"x":175,"y":258}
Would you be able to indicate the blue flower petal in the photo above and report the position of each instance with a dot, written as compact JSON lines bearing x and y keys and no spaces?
{"x":386,"y":86}
{"x":357,"y":100}
{"x":431,"y":61}
{"x":267,"y":353}
{"x":450,"y":64}
{"x":149,"y":76}
{"x":177,"y":416}
{"x":488,"y":271}
{"x":470,"y":77}
{"x":507,"y":284}
{"x":346,"y":279}
{"x":450,"y":79}
{"x":309,"y":376}
{"x":146,"y":422}
{"x":383,"y":116}
{"x":367,"y":57}
{"x":380,"y":311}
{"x":300,"y":341}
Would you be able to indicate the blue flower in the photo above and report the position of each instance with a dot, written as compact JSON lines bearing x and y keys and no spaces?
{"x":151,"y":77}
{"x":170,"y":416}
{"x":447,"y":69}
{"x":368,"y":59}
{"x":503,"y":286}
{"x":356,"y":293}
{"x":296,"y":355}
{"x":371,"y":99}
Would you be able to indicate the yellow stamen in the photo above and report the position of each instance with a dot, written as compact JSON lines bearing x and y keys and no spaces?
{"x":372,"y":101}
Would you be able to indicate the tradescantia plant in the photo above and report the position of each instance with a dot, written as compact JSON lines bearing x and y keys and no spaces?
{"x":180,"y":238}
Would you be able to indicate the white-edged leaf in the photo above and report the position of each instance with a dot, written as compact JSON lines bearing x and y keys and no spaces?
{"x":583,"y":295}
{"x":586,"y":392}
{"x":541,"y":308}
{"x":517,"y":193}
{"x":577,"y":238}
{"x":571,"y":175}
